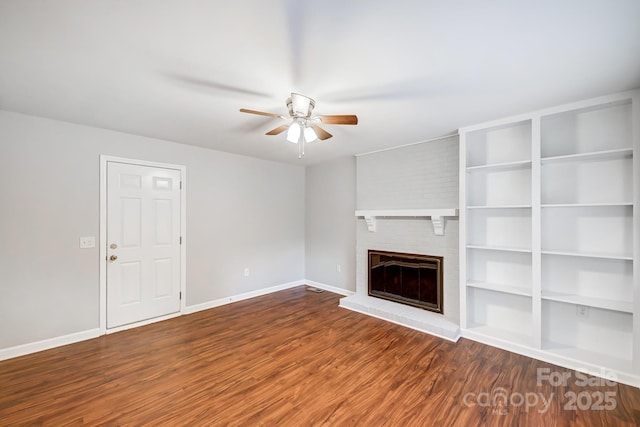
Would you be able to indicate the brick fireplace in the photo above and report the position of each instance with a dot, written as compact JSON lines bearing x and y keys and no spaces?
{"x":413,"y":236}
{"x":407,"y":201}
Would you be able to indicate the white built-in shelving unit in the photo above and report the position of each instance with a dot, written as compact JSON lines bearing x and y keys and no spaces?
{"x":550,"y":235}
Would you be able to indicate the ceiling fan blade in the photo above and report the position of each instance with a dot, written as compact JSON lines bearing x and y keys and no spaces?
{"x":207,"y":84}
{"x":339,"y":120}
{"x":262,"y":113}
{"x":322,"y":134}
{"x":278,"y":130}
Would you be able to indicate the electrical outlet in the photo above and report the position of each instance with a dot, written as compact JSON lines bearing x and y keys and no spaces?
{"x":582,"y":311}
{"x":246,"y":272}
{"x":338,"y":268}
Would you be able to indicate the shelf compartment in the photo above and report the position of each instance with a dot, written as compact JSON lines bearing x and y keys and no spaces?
{"x":500,"y":315}
{"x":499,"y":145}
{"x":587,"y":130}
{"x":505,"y":269}
{"x":499,"y":187}
{"x":594,"y":182}
{"x":592,"y":339}
{"x":498,"y":287}
{"x":595,"y":232}
{"x":598,"y":282}
{"x":499,"y":228}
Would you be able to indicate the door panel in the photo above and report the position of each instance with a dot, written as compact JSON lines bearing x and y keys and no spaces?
{"x":143,"y":243}
{"x":163,"y":277}
{"x":163,"y":222}
{"x":131,"y":223}
{"x":130,"y":283}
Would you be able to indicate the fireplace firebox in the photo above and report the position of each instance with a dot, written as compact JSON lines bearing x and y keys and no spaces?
{"x":410,"y":279}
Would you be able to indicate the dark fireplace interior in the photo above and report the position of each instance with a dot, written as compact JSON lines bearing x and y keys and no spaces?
{"x":406,"y":278}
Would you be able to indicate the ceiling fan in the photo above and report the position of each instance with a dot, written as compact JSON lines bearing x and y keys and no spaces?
{"x":302,"y":127}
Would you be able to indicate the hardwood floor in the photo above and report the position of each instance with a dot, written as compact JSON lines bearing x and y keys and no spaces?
{"x":295,"y":358}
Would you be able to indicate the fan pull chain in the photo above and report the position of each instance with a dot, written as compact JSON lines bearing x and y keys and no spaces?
{"x":301,"y":146}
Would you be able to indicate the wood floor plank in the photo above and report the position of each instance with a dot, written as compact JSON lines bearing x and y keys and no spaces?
{"x":291,"y":358}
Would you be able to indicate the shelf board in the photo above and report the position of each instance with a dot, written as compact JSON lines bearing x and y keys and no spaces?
{"x":514,"y":290}
{"x":595,"y":155}
{"x":501,"y":207}
{"x":587,"y":255}
{"x":506,"y":165}
{"x":581,"y":355}
{"x":499,"y":248}
{"x":585,"y":205}
{"x":607,"y":304}
{"x":500,"y":334}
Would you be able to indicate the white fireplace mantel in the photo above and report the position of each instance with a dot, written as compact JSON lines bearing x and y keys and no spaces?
{"x":437,"y":216}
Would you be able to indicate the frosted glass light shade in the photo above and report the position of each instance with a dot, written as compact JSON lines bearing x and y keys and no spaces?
{"x":293,"y":134}
{"x":309,"y":134}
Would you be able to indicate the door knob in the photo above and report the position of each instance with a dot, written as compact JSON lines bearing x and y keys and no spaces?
{"x":113,"y":258}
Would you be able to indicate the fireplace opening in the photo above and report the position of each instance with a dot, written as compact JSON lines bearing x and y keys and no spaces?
{"x":410,"y":279}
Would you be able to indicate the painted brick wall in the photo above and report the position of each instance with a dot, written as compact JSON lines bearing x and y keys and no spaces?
{"x":413,"y":177}
{"x":418,"y":176}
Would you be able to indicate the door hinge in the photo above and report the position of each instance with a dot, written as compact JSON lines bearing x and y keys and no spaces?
{"x":180,"y":294}
{"x":180,"y":239}
{"x":181,"y":185}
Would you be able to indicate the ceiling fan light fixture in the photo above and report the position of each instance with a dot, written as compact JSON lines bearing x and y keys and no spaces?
{"x":293,"y":134}
{"x":310,"y":134}
{"x":302,"y":127}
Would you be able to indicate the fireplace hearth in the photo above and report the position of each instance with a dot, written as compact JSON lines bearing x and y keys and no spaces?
{"x":411,"y":279}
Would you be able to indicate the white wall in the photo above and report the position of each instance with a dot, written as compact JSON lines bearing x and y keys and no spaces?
{"x":330,"y":223}
{"x":413,"y":177}
{"x":241,"y":212}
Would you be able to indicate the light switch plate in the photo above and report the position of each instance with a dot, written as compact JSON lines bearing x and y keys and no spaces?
{"x":87,"y":242}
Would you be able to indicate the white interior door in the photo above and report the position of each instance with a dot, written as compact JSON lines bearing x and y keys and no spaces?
{"x":143,"y":243}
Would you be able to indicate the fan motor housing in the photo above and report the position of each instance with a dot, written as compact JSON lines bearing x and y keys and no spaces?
{"x":300,"y":105}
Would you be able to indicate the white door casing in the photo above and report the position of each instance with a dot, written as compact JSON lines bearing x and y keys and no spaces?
{"x":141,"y":249}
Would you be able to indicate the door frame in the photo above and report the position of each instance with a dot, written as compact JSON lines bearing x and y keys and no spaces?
{"x":102,"y":245}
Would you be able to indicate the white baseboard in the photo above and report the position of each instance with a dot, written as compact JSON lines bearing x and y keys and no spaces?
{"x":329,"y":288}
{"x":228,"y":300}
{"x":34,"y":347}
{"x":616,"y":375}
{"x":47,"y":344}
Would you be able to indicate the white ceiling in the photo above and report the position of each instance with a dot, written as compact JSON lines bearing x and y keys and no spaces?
{"x":410,"y":70}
